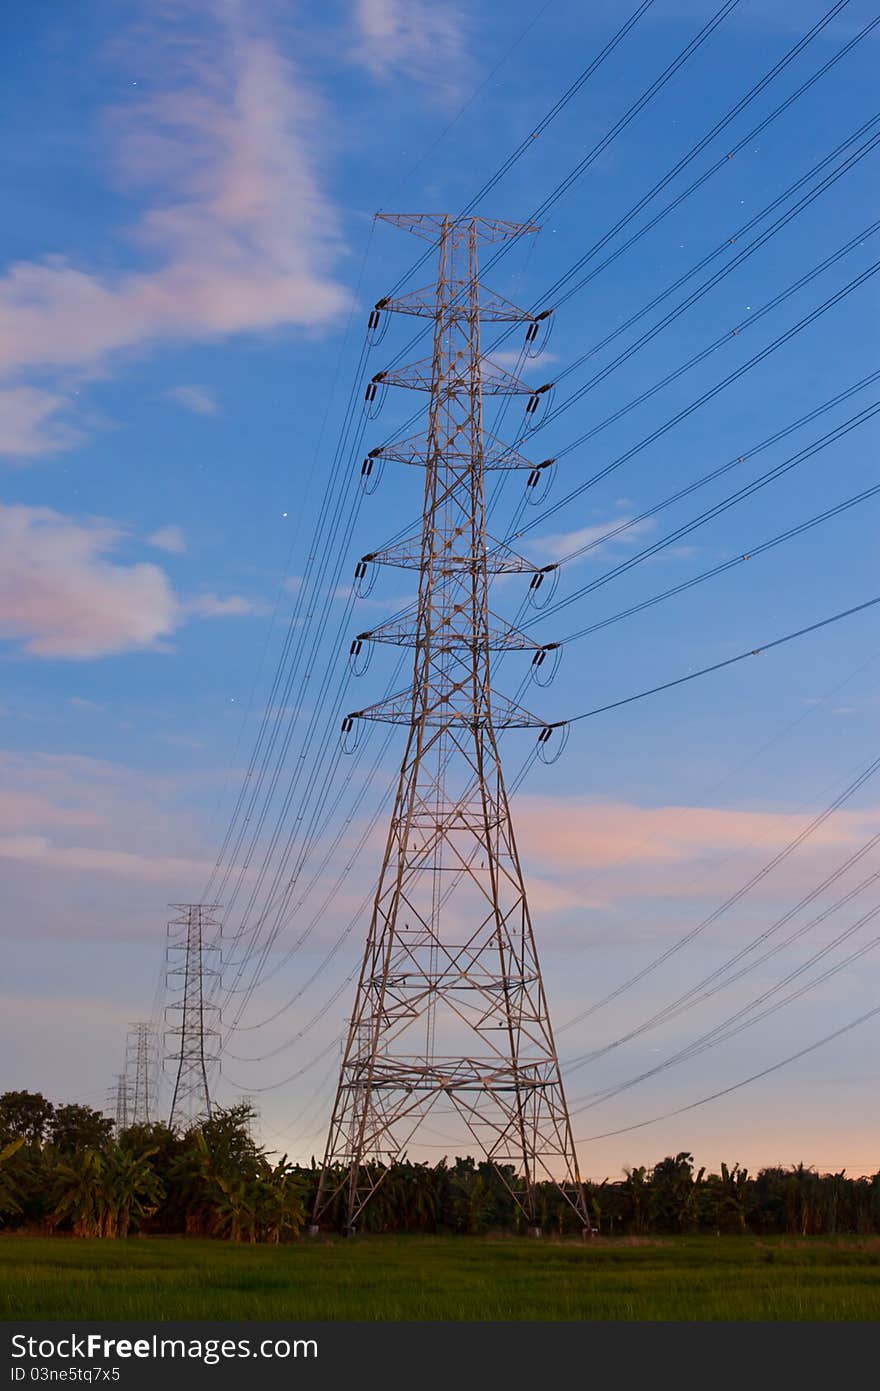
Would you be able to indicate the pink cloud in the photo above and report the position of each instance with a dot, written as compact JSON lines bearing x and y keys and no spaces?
{"x":61,"y":813}
{"x":605,"y":855}
{"x":22,"y":808}
{"x":29,"y":424}
{"x":621,"y":530}
{"x":238,"y":236}
{"x":421,"y":39}
{"x":62,"y":596}
{"x":572,"y":834}
{"x":168,"y":538}
{"x":211,"y":606}
{"x":193,"y":398}
{"x":42,"y":852}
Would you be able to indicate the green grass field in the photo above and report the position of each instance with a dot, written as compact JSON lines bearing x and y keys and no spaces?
{"x":442,"y":1278}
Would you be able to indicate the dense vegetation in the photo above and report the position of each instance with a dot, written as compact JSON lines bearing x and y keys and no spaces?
{"x":63,"y":1169}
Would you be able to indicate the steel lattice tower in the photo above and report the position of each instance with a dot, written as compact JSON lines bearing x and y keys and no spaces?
{"x":450,"y":1004}
{"x":191,"y":962}
{"x":140,"y":1065}
{"x":122,"y":1116}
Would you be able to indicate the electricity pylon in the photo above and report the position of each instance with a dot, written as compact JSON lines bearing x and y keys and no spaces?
{"x":122,"y":1116}
{"x":191,"y":962}
{"x":450,"y":1008}
{"x":140,"y":1063}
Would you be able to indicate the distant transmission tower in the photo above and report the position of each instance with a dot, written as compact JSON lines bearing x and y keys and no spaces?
{"x":122,"y":1115}
{"x":140,"y":1067}
{"x":192,"y":963}
{"x":450,"y":1008}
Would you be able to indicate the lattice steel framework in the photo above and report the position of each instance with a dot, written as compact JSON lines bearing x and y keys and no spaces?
{"x":140,"y":1073}
{"x":121,"y":1100}
{"x":450,"y":1009}
{"x":192,"y":956}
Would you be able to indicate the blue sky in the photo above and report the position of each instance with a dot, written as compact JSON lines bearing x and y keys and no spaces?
{"x":188,"y":258}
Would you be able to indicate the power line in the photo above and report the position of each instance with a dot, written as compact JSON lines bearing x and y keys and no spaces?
{"x":620,"y":125}
{"x":746,"y":1081}
{"x":718,"y":509}
{"x":779,"y":858}
{"x":695,"y":295}
{"x":722,"y":162}
{"x":701,"y":400}
{"x":718,"y":666}
{"x":753,"y":551}
{"x":721,"y":978}
{"x":638,"y":106}
{"x":526,"y":144}
{"x":858,"y":240}
{"x":737,"y":1022}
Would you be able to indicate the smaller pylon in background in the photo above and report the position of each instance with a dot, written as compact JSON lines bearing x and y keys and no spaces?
{"x":140,"y":1073}
{"x":192,"y":971}
{"x":253,"y":1122}
{"x":122,"y":1117}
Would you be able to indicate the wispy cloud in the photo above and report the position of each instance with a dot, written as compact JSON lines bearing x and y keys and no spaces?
{"x":596,"y":538}
{"x":168,"y":538}
{"x":86,"y":816}
{"x":193,"y":398}
{"x":421,"y":39}
{"x":30,"y":423}
{"x":234,"y":606}
{"x":235,"y":235}
{"x":674,"y":851}
{"x":43,"y":852}
{"x":62,"y":595}
{"x":65,"y":593}
{"x":512,"y":361}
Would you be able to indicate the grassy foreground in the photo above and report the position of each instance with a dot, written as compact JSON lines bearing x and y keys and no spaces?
{"x":729,"y":1278}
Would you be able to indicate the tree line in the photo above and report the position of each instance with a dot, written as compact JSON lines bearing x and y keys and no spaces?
{"x":64,"y":1169}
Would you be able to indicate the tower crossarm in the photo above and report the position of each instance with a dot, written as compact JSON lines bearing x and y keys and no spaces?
{"x":418,"y":376}
{"x":457,"y":555}
{"x":493,"y":308}
{"x":496,"y":454}
{"x":403,"y":631}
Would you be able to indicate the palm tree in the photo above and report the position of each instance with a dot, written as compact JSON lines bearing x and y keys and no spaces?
{"x":132,"y":1190}
{"x":10,"y":1204}
{"x":636,"y":1191}
{"x":278,"y":1206}
{"x":79,"y":1193}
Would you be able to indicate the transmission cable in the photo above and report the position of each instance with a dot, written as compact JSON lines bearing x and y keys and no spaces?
{"x":751,"y":554}
{"x":779,"y":858}
{"x":771,"y":475}
{"x":858,"y":240}
{"x":721,"y":163}
{"x":701,"y":400}
{"x":726,"y":1091}
{"x":717,"y":666}
{"x":742,"y":256}
{"x":539,"y":129}
{"x":722,"y":1032}
{"x":599,"y":148}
